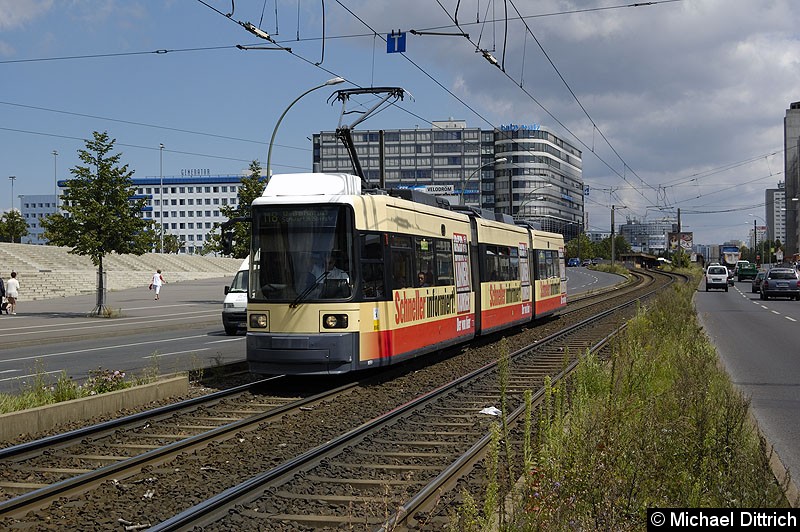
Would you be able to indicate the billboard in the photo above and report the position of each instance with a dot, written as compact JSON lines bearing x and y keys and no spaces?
{"x":684,"y":241}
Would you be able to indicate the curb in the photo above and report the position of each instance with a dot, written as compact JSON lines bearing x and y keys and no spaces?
{"x":44,"y":418}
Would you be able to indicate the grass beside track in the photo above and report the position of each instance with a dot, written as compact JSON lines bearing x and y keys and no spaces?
{"x":658,"y":425}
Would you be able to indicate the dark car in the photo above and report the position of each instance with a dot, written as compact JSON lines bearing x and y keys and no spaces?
{"x":574,"y":261}
{"x":731,"y":275}
{"x":781,"y":282}
{"x":757,"y":281}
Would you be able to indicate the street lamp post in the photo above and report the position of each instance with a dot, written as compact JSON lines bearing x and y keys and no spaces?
{"x":12,"y":178}
{"x":466,"y":181}
{"x":332,"y":81}
{"x":55,"y":178}
{"x":161,"y":192}
{"x":765,"y":250}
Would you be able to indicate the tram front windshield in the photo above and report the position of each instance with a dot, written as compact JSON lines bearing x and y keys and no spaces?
{"x":305,"y":253}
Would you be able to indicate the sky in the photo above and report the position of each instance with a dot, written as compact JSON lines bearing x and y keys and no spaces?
{"x":675,"y":104}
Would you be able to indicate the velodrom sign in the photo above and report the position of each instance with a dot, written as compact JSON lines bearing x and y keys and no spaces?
{"x":440,"y":189}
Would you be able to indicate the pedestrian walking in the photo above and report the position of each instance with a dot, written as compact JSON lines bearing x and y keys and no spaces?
{"x":3,"y":302}
{"x":12,"y":293}
{"x":158,"y":280}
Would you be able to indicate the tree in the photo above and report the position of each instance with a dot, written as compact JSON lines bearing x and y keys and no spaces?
{"x":100,"y":215}
{"x":580,"y":246}
{"x":252,"y":187}
{"x":13,"y":226}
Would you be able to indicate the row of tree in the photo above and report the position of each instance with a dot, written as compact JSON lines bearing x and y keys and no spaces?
{"x":583,"y":248}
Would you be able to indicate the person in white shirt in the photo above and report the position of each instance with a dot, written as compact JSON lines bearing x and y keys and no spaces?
{"x":158,"y":280}
{"x":333,"y":271}
{"x":12,"y":292}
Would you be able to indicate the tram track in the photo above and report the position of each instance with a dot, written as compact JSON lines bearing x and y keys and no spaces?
{"x":404,"y":459}
{"x":321,"y":416}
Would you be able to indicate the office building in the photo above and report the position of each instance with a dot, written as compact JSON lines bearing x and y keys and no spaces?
{"x":775,"y":213}
{"x":191,"y":206}
{"x":522,"y":170}
{"x":33,"y":208}
{"x":648,"y":236}
{"x":791,"y":169}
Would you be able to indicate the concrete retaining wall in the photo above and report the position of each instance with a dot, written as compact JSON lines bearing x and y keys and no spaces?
{"x":46,"y":417}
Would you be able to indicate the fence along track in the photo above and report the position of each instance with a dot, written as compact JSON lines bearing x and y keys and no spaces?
{"x":399,"y":460}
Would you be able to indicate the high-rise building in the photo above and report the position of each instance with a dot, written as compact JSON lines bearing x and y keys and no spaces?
{"x":775,"y":213}
{"x":791,"y":168}
{"x":523,"y":170}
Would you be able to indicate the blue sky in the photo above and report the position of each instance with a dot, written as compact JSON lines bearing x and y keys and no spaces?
{"x":679,"y":104}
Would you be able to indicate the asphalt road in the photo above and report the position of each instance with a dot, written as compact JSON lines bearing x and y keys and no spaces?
{"x":580,"y":279}
{"x":179,"y":332}
{"x":757,"y":342}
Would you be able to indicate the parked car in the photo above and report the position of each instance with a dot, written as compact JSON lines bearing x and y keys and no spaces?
{"x":586,"y":262}
{"x":757,"y":281}
{"x":574,"y":261}
{"x":717,"y":277}
{"x":781,"y":282}
{"x":597,"y":260}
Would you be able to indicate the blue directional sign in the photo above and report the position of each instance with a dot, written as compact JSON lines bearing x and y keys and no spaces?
{"x":395,"y":42}
{"x":586,"y":190}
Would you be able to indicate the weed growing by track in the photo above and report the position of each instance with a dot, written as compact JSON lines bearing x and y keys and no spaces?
{"x":659,"y":425}
{"x":42,"y":389}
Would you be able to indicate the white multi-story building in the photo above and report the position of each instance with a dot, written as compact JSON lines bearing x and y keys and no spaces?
{"x":775,"y":213}
{"x":33,"y":208}
{"x":188,"y":206}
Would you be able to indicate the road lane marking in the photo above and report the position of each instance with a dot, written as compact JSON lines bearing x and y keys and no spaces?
{"x":105,"y":348}
{"x":775,"y":312}
{"x":228,"y":340}
{"x":175,"y":353}
{"x":37,"y":329}
{"x":790,"y":319}
{"x":29,"y":375}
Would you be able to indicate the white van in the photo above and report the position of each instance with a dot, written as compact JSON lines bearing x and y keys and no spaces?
{"x":234,"y":307}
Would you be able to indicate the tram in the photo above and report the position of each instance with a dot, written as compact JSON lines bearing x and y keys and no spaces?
{"x":343,"y":279}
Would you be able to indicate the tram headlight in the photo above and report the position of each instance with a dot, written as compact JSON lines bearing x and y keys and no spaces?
{"x":259,"y":321}
{"x":334,"y":321}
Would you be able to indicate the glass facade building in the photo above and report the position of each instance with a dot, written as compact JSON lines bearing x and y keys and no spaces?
{"x":522,"y":170}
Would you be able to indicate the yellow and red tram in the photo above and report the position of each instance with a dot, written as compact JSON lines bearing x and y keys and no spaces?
{"x":343,"y":279}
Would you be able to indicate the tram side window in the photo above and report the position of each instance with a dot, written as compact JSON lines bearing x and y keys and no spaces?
{"x":402,"y":262}
{"x":492,"y":263}
{"x":372,"y":266}
{"x":502,"y":263}
{"x":546,"y":264}
{"x":513,"y":264}
{"x":425,"y":262}
{"x":444,"y":263}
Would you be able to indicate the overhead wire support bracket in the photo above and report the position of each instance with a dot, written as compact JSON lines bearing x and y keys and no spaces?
{"x":459,"y":34}
{"x":343,"y":131}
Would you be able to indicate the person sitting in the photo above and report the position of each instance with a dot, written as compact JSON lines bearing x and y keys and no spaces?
{"x":332,"y":271}
{"x":423,"y":280}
